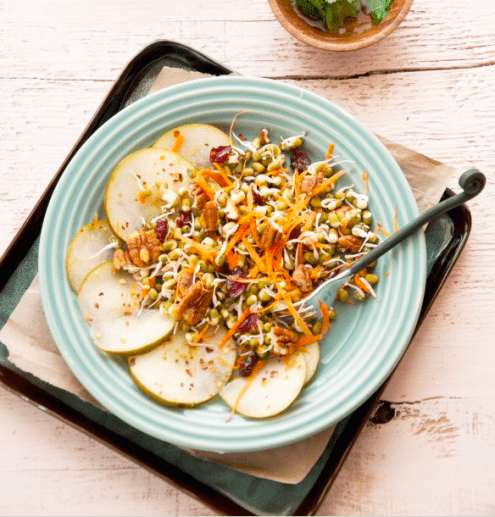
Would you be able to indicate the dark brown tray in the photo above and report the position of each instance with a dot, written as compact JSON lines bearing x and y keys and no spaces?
{"x":221,"y":488}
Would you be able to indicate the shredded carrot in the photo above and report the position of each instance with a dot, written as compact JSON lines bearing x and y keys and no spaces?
{"x":217,"y":177}
{"x":327,"y":183}
{"x":343,"y":226}
{"x":331,"y":147}
{"x":239,"y":234}
{"x":360,"y":284}
{"x":142,"y":197}
{"x":268,"y":307}
{"x":179,"y":141}
{"x":201,"y":181}
{"x":307,"y":340}
{"x":325,"y":314}
{"x":366,"y":182}
{"x":233,"y":260}
{"x":380,"y":228}
{"x":200,"y":336}
{"x":296,"y":315}
{"x":257,"y":367}
{"x":222,"y":172}
{"x":223,"y":361}
{"x":396,"y":222}
{"x":233,"y":329}
{"x":254,"y":272}
{"x":253,"y":254}
{"x":249,"y":280}
{"x":299,"y":254}
{"x":205,"y":252}
{"x":315,"y":271}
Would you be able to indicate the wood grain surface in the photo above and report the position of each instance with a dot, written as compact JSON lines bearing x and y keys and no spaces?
{"x":429,"y":86}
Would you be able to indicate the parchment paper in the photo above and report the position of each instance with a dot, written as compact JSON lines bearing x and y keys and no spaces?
{"x":32,"y":349}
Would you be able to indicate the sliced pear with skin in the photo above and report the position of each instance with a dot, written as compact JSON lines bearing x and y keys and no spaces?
{"x":199,"y":140}
{"x":271,"y":391}
{"x":312,"y":355}
{"x":90,"y":247}
{"x":133,"y":193}
{"x":110,"y":304}
{"x":178,"y":374}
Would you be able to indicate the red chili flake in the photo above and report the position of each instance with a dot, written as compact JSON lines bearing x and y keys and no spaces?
{"x":183,"y":219}
{"x":220,"y":154}
{"x":161,"y":229}
{"x":234,"y":288}
{"x":299,"y":160}
{"x":249,"y":324}
{"x":247,"y":365}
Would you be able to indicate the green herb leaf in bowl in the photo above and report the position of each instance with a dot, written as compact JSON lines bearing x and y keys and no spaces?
{"x":334,"y":12}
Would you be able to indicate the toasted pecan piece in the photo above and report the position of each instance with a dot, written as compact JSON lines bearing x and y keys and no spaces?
{"x":270,"y":236}
{"x":283,"y":340}
{"x":144,"y":247}
{"x":209,"y":219}
{"x":193,"y":305}
{"x":301,"y":277}
{"x":350,"y":242}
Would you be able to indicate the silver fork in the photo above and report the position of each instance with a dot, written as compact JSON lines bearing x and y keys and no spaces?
{"x":472,"y":183}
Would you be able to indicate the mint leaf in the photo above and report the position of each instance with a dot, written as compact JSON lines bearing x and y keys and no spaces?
{"x":379,"y":9}
{"x":337,"y":12}
{"x":314,"y":9}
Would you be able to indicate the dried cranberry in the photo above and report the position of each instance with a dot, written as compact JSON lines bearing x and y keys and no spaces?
{"x":183,"y":219}
{"x":295,"y":233}
{"x":220,"y":154}
{"x":249,"y":324}
{"x":247,"y":365}
{"x":161,"y":229}
{"x":234,"y":288}
{"x":258,"y":198}
{"x":299,"y":160}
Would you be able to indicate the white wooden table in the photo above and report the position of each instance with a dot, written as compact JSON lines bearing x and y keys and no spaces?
{"x":429,"y":86}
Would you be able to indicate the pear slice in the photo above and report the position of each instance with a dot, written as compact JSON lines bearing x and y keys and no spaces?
{"x":110,"y":304}
{"x":312,"y":355}
{"x":90,"y":247}
{"x":178,"y":374}
{"x":273,"y":389}
{"x":199,"y":140}
{"x":135,"y":189}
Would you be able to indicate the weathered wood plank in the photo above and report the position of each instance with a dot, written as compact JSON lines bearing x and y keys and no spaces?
{"x":428,"y":86}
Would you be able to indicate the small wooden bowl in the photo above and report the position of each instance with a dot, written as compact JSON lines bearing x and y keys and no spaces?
{"x":359,"y":33}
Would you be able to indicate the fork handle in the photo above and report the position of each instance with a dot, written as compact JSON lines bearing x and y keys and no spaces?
{"x":471,"y":181}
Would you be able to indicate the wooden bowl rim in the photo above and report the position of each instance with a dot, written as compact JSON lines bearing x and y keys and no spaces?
{"x":303,"y":31}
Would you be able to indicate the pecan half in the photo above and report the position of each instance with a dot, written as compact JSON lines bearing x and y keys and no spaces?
{"x":192,"y":307}
{"x":282,"y":340}
{"x":302,"y":278}
{"x":144,"y":247}
{"x":310,"y":182}
{"x":209,"y":219}
{"x":271,"y":235}
{"x":121,"y":259}
{"x":184,"y":282}
{"x":350,"y":242}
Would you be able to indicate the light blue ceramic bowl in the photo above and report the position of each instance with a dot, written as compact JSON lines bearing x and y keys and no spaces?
{"x":363,"y":345}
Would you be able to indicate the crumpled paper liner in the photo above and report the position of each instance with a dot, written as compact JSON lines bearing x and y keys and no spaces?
{"x":32,"y":349}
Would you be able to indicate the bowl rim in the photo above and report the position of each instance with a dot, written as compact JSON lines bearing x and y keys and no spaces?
{"x":303,"y":31}
{"x":112,"y":389}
